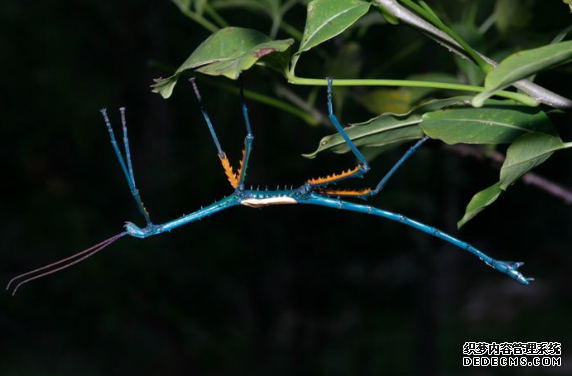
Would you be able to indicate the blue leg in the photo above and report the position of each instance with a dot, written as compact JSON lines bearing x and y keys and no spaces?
{"x":367,"y":192}
{"x":396,"y":166}
{"x":247,"y":140}
{"x":360,"y":170}
{"x":127,"y":168}
{"x":235,"y":179}
{"x":340,"y":129}
{"x":126,"y":144}
{"x":364,"y":167}
{"x":207,"y":118}
{"x":509,"y":268}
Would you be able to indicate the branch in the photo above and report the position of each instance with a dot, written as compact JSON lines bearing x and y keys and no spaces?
{"x":539,"y":93}
{"x":530,"y":178}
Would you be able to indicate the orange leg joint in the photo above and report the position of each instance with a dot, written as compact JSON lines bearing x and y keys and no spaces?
{"x":335,"y":177}
{"x":346,"y":192}
{"x":233,"y":178}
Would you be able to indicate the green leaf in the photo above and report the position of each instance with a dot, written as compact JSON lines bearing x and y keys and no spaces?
{"x":561,"y":35}
{"x":479,"y":202}
{"x":384,"y":130}
{"x":228,"y":52}
{"x":521,"y":65}
{"x":327,"y":18}
{"x":370,"y":153}
{"x":499,"y":123}
{"x":526,"y":153}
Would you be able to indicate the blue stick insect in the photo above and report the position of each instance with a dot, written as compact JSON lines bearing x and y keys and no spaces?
{"x":318,"y":191}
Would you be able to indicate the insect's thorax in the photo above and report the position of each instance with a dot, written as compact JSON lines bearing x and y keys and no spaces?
{"x":259,"y":199}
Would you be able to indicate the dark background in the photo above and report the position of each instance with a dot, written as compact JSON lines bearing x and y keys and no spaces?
{"x":281,"y":291}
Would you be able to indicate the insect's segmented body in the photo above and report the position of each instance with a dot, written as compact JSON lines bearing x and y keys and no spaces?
{"x":254,"y":198}
{"x":317,"y":191}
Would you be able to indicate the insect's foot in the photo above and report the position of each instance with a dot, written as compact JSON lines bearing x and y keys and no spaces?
{"x":510,"y":268}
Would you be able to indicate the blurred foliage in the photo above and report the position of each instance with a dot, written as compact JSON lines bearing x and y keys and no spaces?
{"x":286,"y":290}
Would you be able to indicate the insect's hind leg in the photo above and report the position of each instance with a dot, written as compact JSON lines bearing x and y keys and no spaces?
{"x":509,"y":268}
{"x":360,"y":169}
{"x":367,"y":192}
{"x":397,"y":165}
{"x":127,"y":167}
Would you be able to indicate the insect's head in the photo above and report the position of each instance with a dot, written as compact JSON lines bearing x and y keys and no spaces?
{"x":133,"y":230}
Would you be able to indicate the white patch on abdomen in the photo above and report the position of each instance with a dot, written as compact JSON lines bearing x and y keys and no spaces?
{"x":261,"y":202}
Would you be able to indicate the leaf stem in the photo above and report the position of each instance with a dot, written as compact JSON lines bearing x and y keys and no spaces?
{"x":214,"y":14}
{"x":485,"y":26}
{"x":524,"y":99}
{"x":200,"y":20}
{"x":429,"y":15}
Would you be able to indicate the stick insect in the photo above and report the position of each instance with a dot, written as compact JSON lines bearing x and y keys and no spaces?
{"x":317,"y":191}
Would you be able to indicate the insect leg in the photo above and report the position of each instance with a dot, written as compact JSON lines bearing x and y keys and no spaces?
{"x":247,"y":140}
{"x":397,"y":165}
{"x":363,"y":193}
{"x":509,"y":268}
{"x":230,"y":174}
{"x":126,"y":167}
{"x":360,"y":169}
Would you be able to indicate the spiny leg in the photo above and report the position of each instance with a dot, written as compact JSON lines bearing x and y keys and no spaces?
{"x":233,"y":178}
{"x":366,"y":192}
{"x":247,"y":140}
{"x":359,"y":170}
{"x":126,"y":167}
{"x":509,"y":268}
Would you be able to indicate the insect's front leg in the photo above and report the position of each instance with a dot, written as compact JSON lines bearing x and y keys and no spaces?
{"x":126,"y":164}
{"x":236,"y":179}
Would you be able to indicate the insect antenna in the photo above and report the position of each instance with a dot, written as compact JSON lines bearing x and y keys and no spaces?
{"x":67,"y":262}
